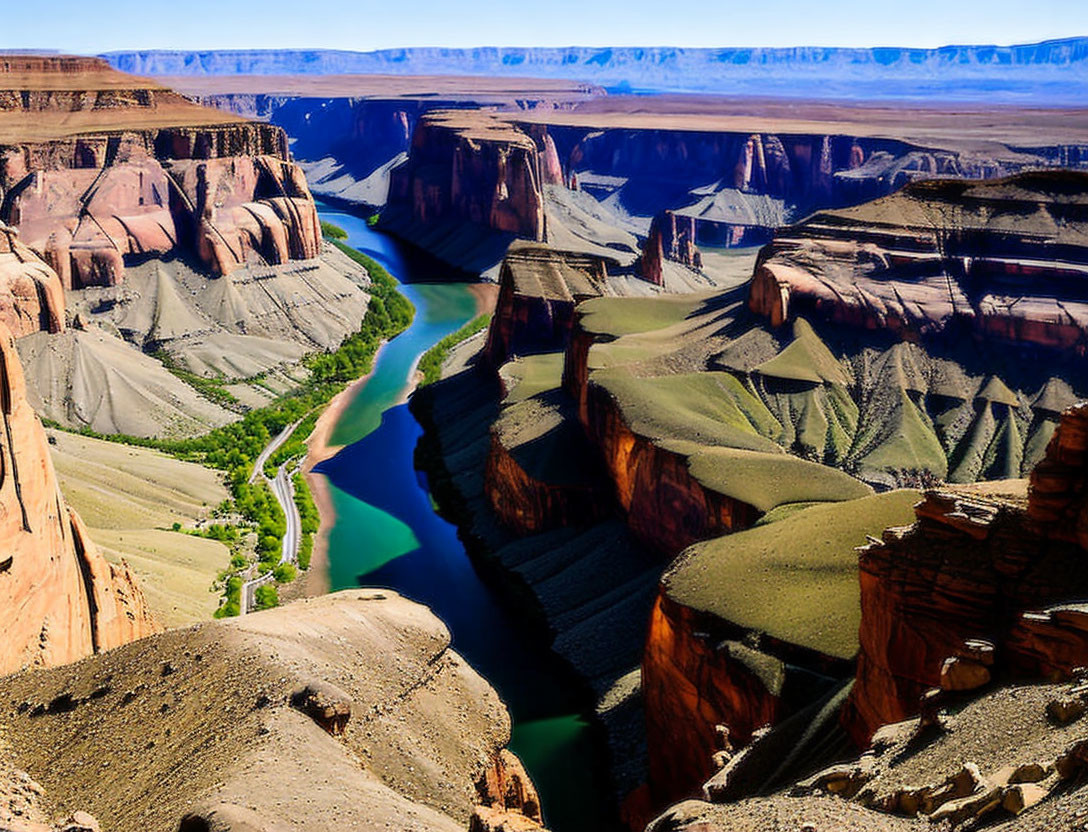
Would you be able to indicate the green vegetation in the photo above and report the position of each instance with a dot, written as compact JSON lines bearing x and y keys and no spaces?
{"x":433,"y":359}
{"x":266,"y":596}
{"x":767,"y":481}
{"x":232,"y":598}
{"x":532,"y":375}
{"x":309,"y":519}
{"x":807,"y":358}
{"x":626,"y":316}
{"x":332,"y":231}
{"x":284,"y":573}
{"x":710,"y":408}
{"x":233,"y":448}
{"x":210,"y":388}
{"x":373,"y":220}
{"x":795,"y":579}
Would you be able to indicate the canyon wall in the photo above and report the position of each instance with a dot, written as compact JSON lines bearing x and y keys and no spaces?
{"x":539,"y":289}
{"x":98,"y":169}
{"x":31,"y":293}
{"x":968,"y":569}
{"x":61,"y":599}
{"x":1001,"y":260}
{"x":472,"y":184}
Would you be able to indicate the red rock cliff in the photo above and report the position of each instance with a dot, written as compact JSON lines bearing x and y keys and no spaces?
{"x":97,"y":167}
{"x":1001,"y":258}
{"x":31,"y":294}
{"x":61,"y":600}
{"x":470,"y":167}
{"x":970,"y":567}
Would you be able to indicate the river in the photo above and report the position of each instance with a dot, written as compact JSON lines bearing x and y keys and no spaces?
{"x":387,"y":534}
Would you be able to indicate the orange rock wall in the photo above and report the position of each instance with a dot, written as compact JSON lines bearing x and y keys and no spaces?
{"x":59,"y":598}
{"x":689,"y":686}
{"x":453,"y":173}
{"x":973,"y":567}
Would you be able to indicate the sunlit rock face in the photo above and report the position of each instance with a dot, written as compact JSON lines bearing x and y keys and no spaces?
{"x":98,"y":169}
{"x":61,"y":600}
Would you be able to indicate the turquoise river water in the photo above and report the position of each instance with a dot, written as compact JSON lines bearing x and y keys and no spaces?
{"x":387,"y":534}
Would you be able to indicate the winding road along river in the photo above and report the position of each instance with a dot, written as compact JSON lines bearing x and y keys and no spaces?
{"x":386,"y":534}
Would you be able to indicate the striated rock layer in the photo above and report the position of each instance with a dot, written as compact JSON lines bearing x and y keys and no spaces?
{"x":474,"y":176}
{"x":99,"y":169}
{"x":969,"y":568}
{"x":1003,"y":259}
{"x":61,"y":599}
{"x":31,"y":294}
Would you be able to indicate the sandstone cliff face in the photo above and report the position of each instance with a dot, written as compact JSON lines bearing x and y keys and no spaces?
{"x":998,"y":259}
{"x":666,"y":507}
{"x":671,"y":237}
{"x":62,"y":600}
{"x":470,"y":167}
{"x":98,"y":169}
{"x":539,"y":289}
{"x":694,"y":679}
{"x":31,"y":293}
{"x":969,"y":568}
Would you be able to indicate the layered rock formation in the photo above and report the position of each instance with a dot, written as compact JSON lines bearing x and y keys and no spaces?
{"x":350,"y":130}
{"x":539,"y":288}
{"x":971,"y":565}
{"x":62,"y":600}
{"x":985,"y":73}
{"x":355,"y":698}
{"x":1012,"y":760}
{"x":98,"y":169}
{"x":472,"y":183}
{"x":32,"y":298}
{"x":671,"y":237}
{"x":999,"y":260}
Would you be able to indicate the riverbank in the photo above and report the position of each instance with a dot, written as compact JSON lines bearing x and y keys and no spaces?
{"x":321,"y":447}
{"x":586,"y":592}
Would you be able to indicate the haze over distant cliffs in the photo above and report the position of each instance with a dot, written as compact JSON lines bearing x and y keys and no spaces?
{"x":1052,"y":71}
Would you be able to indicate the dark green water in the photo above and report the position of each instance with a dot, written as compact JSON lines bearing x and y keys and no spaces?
{"x":386,"y":534}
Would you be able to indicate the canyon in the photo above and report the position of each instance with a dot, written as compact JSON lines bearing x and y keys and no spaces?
{"x":708,"y":429}
{"x":775,"y":509}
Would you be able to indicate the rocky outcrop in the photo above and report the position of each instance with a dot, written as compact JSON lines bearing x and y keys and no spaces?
{"x":471,"y":167}
{"x":31,"y":294}
{"x":1012,"y":760}
{"x":248,"y":208}
{"x":201,"y":726}
{"x":473,"y":183}
{"x":999,"y":260}
{"x":671,"y":237}
{"x":98,"y":169}
{"x":970,"y":567}
{"x":62,"y":599}
{"x":539,"y":287}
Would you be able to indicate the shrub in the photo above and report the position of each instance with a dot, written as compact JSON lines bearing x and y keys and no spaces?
{"x":266,"y":596}
{"x":333,"y":231}
{"x":433,"y":359}
{"x":285,"y":573}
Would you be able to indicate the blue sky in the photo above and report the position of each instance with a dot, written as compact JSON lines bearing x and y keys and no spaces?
{"x":99,"y":25}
